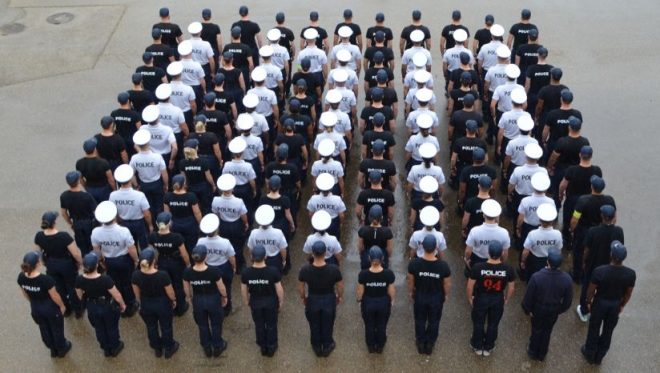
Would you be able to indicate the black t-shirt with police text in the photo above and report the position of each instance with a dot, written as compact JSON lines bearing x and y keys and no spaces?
{"x":79,"y":205}
{"x":95,"y":288}
{"x":37,"y":287}
{"x":180,"y":204}
{"x":375,"y":283}
{"x":429,"y":275}
{"x":491,"y":278}
{"x":203,"y":282}
{"x":261,"y":281}
{"x":612,"y":281}
{"x":320,"y":280}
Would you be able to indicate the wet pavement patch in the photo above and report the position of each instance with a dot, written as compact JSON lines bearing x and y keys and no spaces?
{"x":11,"y":28}
{"x":60,"y":18}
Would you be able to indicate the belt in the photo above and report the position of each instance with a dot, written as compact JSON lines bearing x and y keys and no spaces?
{"x":104,"y":300}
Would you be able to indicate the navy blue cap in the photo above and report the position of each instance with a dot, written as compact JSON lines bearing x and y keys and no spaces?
{"x":156,"y":33}
{"x":72,"y":177}
{"x":206,"y":13}
{"x":566,"y":95}
{"x":478,"y":154}
{"x":147,"y":56}
{"x":164,"y":12}
{"x":220,"y":77}
{"x":471,"y":125}
{"x":556,"y":73}
{"x":164,"y":217}
{"x":526,"y":14}
{"x":375,"y":176}
{"x":209,"y":99}
{"x":468,"y":99}
{"x":318,"y":248}
{"x":466,"y":76}
{"x":198,"y":118}
{"x":178,"y":179}
{"x":243,"y":10}
{"x":375,"y":253}
{"x":305,"y":64}
{"x":379,"y":118}
{"x":49,"y":217}
{"x":379,"y":56}
{"x":289,"y":122}
{"x":191,"y":143}
{"x":123,"y":97}
{"x":495,"y":249}
{"x":597,"y":183}
{"x":106,"y":121}
{"x":228,"y":55}
{"x":489,"y":18}
{"x":456,"y":15}
{"x":377,"y":95}
{"x":429,"y":243}
{"x":375,"y":212}
{"x":465,"y":59}
{"x":618,"y":251}
{"x":258,"y":253}
{"x":554,"y":258}
{"x":574,"y":123}
{"x":348,"y":13}
{"x":136,"y":78}
{"x":294,"y":104}
{"x":279,"y":17}
{"x":380,"y":17}
{"x":283,"y":151}
{"x":31,"y":258}
{"x":533,"y":34}
{"x":542,"y":51}
{"x":381,"y":76}
{"x":236,"y":31}
{"x":378,"y":146}
{"x":275,"y":182}
{"x":379,"y":36}
{"x":608,"y":211}
{"x":587,"y":151}
{"x":199,"y":253}
{"x":314,"y":16}
{"x":148,"y":254}
{"x":485,"y":181}
{"x":90,"y":261}
{"x":89,"y":145}
{"x":416,"y":15}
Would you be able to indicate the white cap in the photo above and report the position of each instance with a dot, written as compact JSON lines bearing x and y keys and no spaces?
{"x":185,"y":48}
{"x":321,"y":220}
{"x":419,"y":59}
{"x":311,"y":34}
{"x":512,"y":71}
{"x":333,"y":96}
{"x":328,"y":119}
{"x":497,"y":30}
{"x":424,"y":94}
{"x":460,"y":35}
{"x":344,"y":32}
{"x":226,"y":182}
{"x":325,"y":182}
{"x":274,"y":34}
{"x":547,"y":212}
{"x":518,"y":95}
{"x":105,"y":212}
{"x":266,"y":51}
{"x":258,"y":74}
{"x":427,"y":150}
{"x":164,"y":91}
{"x":491,"y":208}
{"x":343,"y":55}
{"x":424,"y":121}
{"x":417,"y":36}
{"x":264,"y":215}
{"x":326,"y":147}
{"x":124,"y":173}
{"x":540,"y":181}
{"x":428,"y":184}
{"x":503,"y":52}
{"x":533,"y":151}
{"x":525,"y":123}
{"x":141,"y":137}
{"x":150,"y":114}
{"x":209,"y":223}
{"x":175,"y":68}
{"x":422,"y":76}
{"x":244,"y":122}
{"x":340,"y":75}
{"x":250,"y":100}
{"x":237,"y":145}
{"x":195,"y":28}
{"x":429,"y":216}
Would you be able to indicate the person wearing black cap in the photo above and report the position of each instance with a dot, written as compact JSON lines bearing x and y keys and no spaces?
{"x":261,"y":288}
{"x":45,"y":304}
{"x":104,"y":304}
{"x":557,"y":121}
{"x":374,"y":195}
{"x":162,"y":53}
{"x":462,"y":149}
{"x":77,"y":209}
{"x":303,"y":104}
{"x":110,"y":145}
{"x":321,"y":289}
{"x":356,"y":35}
{"x":372,"y":68}
{"x":292,"y":172}
{"x":198,"y":178}
{"x":467,"y":86}
{"x":211,"y":33}
{"x":472,"y":214}
{"x":483,"y":35}
{"x":457,"y":127}
{"x":322,"y":38}
{"x":469,"y":177}
{"x":429,"y":283}
{"x":152,"y":75}
{"x":374,"y":234}
{"x":528,"y":54}
{"x":213,"y":132}
{"x":376,"y":133}
{"x":296,"y":149}
{"x":447,"y":40}
{"x":537,"y":76}
{"x":486,"y":294}
{"x":388,"y":36}
{"x":153,"y":289}
{"x":250,"y":33}
{"x":609,"y":291}
{"x":185,"y":209}
{"x":62,"y":259}
{"x":549,"y":293}
{"x":377,"y":110}
{"x":404,"y":39}
{"x":576,"y":183}
{"x":283,"y":207}
{"x":377,"y":162}
{"x":232,"y":79}
{"x":127,"y":121}
{"x":171,"y":32}
{"x":518,"y":34}
{"x":287,"y":38}
{"x":223,"y":99}
{"x":549,"y":97}
{"x":238,"y":55}
{"x":458,"y":75}
{"x":566,"y":153}
{"x":138,"y":96}
{"x":379,"y":45}
{"x":375,"y":293}
{"x":390,"y":97}
{"x":172,"y":257}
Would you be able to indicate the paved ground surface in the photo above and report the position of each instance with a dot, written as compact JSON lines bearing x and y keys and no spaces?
{"x":57,"y":80}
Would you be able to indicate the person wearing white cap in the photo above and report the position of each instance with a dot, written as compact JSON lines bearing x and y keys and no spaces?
{"x":348,"y":102}
{"x":528,"y":219}
{"x":220,"y":253}
{"x":183,"y":96}
{"x":115,"y":245}
{"x":424,"y":122}
{"x":419,"y":63}
{"x":193,"y":74}
{"x":162,"y":140}
{"x":317,"y":58}
{"x":479,"y":238}
{"x":272,"y":239}
{"x":329,"y":120}
{"x":327,"y":164}
{"x":267,"y":105}
{"x":423,"y":98}
{"x":487,"y":56}
{"x":493,"y":78}
{"x":202,"y":52}
{"x":508,"y":122}
{"x":520,"y":181}
{"x":417,"y":37}
{"x":538,"y":242}
{"x":428,"y":187}
{"x":274,"y":78}
{"x":320,"y":34}
{"x":429,"y":216}
{"x":412,"y":103}
{"x":279,"y":38}
{"x":374,"y":195}
{"x":428,"y":152}
{"x":171,"y":115}
{"x":355,"y":60}
{"x":501,"y":101}
{"x":151,"y":171}
{"x":514,"y":154}
{"x":343,"y":125}
{"x":321,"y":221}
{"x":451,"y":58}
{"x":326,"y":201}
{"x":260,"y":127}
{"x":245,"y":177}
{"x":352,"y":81}
{"x":132,"y":206}
{"x":253,"y":152}
{"x":233,"y":216}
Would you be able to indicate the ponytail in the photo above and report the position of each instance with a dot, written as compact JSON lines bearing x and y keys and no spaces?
{"x":200,"y":127}
{"x":190,"y":153}
{"x":144,"y":264}
{"x":162,"y":226}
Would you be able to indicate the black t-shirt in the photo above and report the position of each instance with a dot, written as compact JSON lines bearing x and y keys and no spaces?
{"x":54,"y":246}
{"x":483,"y":37}
{"x":140,"y":99}
{"x":448,"y":34}
{"x":151,"y":285}
{"x":455,"y":76}
{"x":429,"y":275}
{"x":319,"y":40}
{"x":261,"y":281}
{"x":95,"y":288}
{"x":286,"y":39}
{"x":405,"y":34}
{"x":241,"y":53}
{"x":589,"y":206}
{"x":79,"y":205}
{"x":388,"y":53}
{"x":320,"y":280}
{"x":419,"y":203}
{"x":386,"y":168}
{"x":375,"y":236}
{"x":473,"y":207}
{"x":216,"y":120}
{"x":169,"y":33}
{"x":568,"y":149}
{"x":194,"y":169}
{"x":551,"y":96}
{"x":161,"y":53}
{"x":598,"y":240}
{"x":389,"y":96}
{"x":375,"y":283}
{"x":557,"y":122}
{"x":371,"y":34}
{"x":152,"y":77}
{"x":459,"y":118}
{"x":180,"y":204}
{"x":356,"y":31}
{"x":309,"y":78}
{"x":301,"y":122}
{"x":458,"y":94}
{"x":94,"y":171}
{"x":464,"y":147}
{"x":223,"y":100}
{"x":528,"y":54}
{"x":279,"y":205}
{"x":294,"y":142}
{"x":203,"y":282}
{"x":612,"y":281}
{"x":370,"y":136}
{"x":232,"y":82}
{"x":36,"y":288}
{"x":579,"y":179}
{"x":206,"y":141}
{"x":491,"y":278}
{"x":370,"y":197}
{"x":539,"y":77}
{"x":371,"y":73}
{"x":110,"y":147}
{"x":287,"y":172}
{"x":126,"y":121}
{"x":249,"y":30}
{"x":470,"y":176}
{"x":167,"y":245}
{"x":210,"y":32}
{"x":368,"y":113}
{"x":520,"y":33}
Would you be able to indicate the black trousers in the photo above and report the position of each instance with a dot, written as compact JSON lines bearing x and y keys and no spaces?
{"x":543,"y":320}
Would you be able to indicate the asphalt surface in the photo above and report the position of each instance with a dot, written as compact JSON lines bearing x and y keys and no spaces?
{"x":57,"y":80}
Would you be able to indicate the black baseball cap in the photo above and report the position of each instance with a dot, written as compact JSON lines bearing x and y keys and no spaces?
{"x":318,"y":248}
{"x":485,"y":181}
{"x":375,"y":176}
{"x":49,"y":217}
{"x":526,"y":14}
{"x":348,"y":13}
{"x":275,"y":182}
{"x":489,"y":19}
{"x":314,"y":16}
{"x":228,"y":55}
{"x":379,"y":36}
{"x":193,"y":143}
{"x":178,"y":179}
{"x":31,"y":258}
{"x":533,"y":34}
{"x":288,"y":122}
{"x":209,"y":98}
{"x":381,"y":76}
{"x":236,"y":31}
{"x":148,"y":254}
{"x":429,"y":243}
{"x":554,"y":258}
{"x":375,"y":212}
{"x":456,"y":15}
{"x":465,"y":76}
{"x":243,"y":10}
{"x":279,"y":17}
{"x":89,"y":145}
{"x":156,"y":33}
{"x":574,"y":123}
{"x":305,"y":63}
{"x":294,"y":104}
{"x":206,"y":13}
{"x":380,"y":17}
{"x":282,"y":151}
{"x":556,"y":73}
{"x":566,"y":95}
{"x":379,"y":56}
{"x":378,"y":146}
{"x":199,"y":253}
{"x":618,"y":251}
{"x":608,"y":211}
{"x":416,"y":15}
{"x":542,"y":51}
{"x":164,"y":217}
{"x":259,"y":253}
{"x":597,"y":183}
{"x":495,"y":249}
{"x":587,"y":151}
{"x":375,"y":253}
{"x":219,"y":78}
{"x":478,"y":154}
{"x":147,"y":56}
{"x":465,"y":59}
{"x":107,"y":121}
{"x":164,"y":12}
{"x":471,"y":125}
{"x":123,"y":97}
{"x":377,"y":95}
{"x":90,"y":261}
{"x":379,"y":118}
{"x":72,"y":177}
{"x":468,"y":99}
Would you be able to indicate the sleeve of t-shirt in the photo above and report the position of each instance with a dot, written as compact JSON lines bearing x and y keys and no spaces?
{"x":161,"y":162}
{"x":302,"y":274}
{"x":474,"y":273}
{"x":144,"y":202}
{"x":447,"y":269}
{"x":180,"y":117}
{"x":361,"y":277}
{"x":170,"y":138}
{"x":165,"y":279}
{"x":107,"y":282}
{"x":412,"y":266}
{"x":470,"y":240}
{"x":597,"y":276}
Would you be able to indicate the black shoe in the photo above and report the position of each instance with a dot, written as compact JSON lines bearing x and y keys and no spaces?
{"x":328,"y":350}
{"x":264,"y":351}
{"x":379,"y":349}
{"x":227,"y":310}
{"x":107,"y":353}
{"x":53,"y":352}
{"x":217,"y":351}
{"x":67,"y":348}
{"x":318,"y":351}
{"x":428,"y":348}
{"x":421,"y":348}
{"x":586,"y":355}
{"x":117,"y":349}
{"x":371,"y":349}
{"x":168,"y":354}
{"x":208,"y":351}
{"x":67,"y":312}
{"x":79,"y":313}
{"x":270,"y":351}
{"x":182,"y":311}
{"x":130,"y":310}
{"x":158,"y":352}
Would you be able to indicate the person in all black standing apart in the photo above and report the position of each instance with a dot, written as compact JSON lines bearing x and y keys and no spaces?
{"x":211,"y":34}
{"x":153,"y":289}
{"x":609,"y":291}
{"x":161,"y":52}
{"x":356,"y":36}
{"x":447,"y":37}
{"x":127,"y":122}
{"x":250,"y":33}
{"x":429,"y":282}
{"x":104,"y":305}
{"x":171,"y":32}
{"x":519,"y":31}
{"x":45,"y":303}
{"x":77,"y":209}
{"x":109,"y":145}
{"x":62,"y":259}
{"x":152,"y":76}
{"x":376,"y":293}
{"x":321,"y":289}
{"x":204,"y":285}
{"x":485,"y":292}
{"x":483,"y":35}
{"x":380,"y":26}
{"x":549,"y":294}
{"x":262,"y":291}
{"x":404,"y":40}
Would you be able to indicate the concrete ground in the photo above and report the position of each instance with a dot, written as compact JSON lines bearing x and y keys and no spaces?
{"x":57,"y":80}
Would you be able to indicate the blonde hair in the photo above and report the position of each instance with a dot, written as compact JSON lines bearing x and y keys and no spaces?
{"x":190,"y":153}
{"x":144,"y":264}
{"x":162,"y":226}
{"x":200,"y":127}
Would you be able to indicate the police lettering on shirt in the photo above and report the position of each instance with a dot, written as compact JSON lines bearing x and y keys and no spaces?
{"x":219,"y":250}
{"x":271,"y":238}
{"x":331,"y":167}
{"x":131,"y":203}
{"x":242,"y":171}
{"x":480,"y":237}
{"x":332,"y":245}
{"x":415,"y":141}
{"x":516,"y":149}
{"x":182,"y":95}
{"x":228,"y":209}
{"x":112,"y":239}
{"x":147,"y":165}
{"x":521,"y":178}
{"x":528,"y":207}
{"x":417,"y":172}
{"x":541,"y":240}
{"x":334,"y":205}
